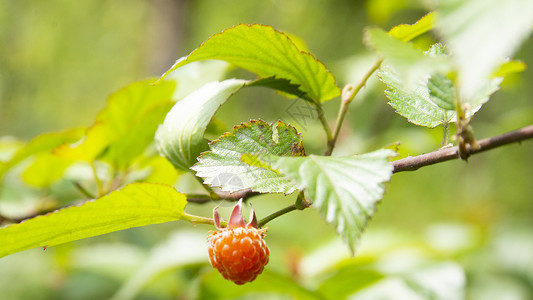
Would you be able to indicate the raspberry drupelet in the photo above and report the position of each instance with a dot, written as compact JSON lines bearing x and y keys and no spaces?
{"x":238,"y":251}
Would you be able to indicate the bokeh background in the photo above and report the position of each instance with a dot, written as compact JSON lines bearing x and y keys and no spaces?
{"x":472,"y":222}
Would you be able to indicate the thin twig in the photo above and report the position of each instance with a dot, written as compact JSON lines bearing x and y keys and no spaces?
{"x":83,"y":190}
{"x":413,"y":163}
{"x":324,"y":123}
{"x":348,"y":94}
{"x":203,"y":198}
{"x":99,"y":185}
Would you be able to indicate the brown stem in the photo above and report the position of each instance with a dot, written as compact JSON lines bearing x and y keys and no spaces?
{"x":202,"y":198}
{"x":413,"y":163}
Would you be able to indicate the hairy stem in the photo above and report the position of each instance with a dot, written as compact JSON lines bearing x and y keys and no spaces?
{"x":324,"y":123}
{"x":200,"y":220}
{"x":348,"y":94}
{"x":413,"y":163}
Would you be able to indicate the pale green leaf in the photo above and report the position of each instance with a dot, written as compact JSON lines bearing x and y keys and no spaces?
{"x":348,"y":279}
{"x":481,"y":34}
{"x":398,"y":52}
{"x":125,"y":126}
{"x":407,"y":32}
{"x":344,"y":190}
{"x":411,"y":64}
{"x":268,"y":285}
{"x":137,"y":204}
{"x":223,"y":165}
{"x":193,"y":76}
{"x":40,"y":144}
{"x":182,"y":248}
{"x":510,"y":67}
{"x":181,"y":136}
{"x":267,"y":52}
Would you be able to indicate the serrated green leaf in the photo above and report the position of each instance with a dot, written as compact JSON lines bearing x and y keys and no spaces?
{"x":135,"y":205}
{"x":481,"y":34}
{"x":429,"y":102}
{"x":133,"y":111}
{"x":344,"y":190}
{"x":441,"y":91}
{"x":414,"y":102}
{"x":407,"y":32}
{"x":267,"y":52}
{"x":40,"y":144}
{"x":181,"y":136}
{"x":223,"y":165}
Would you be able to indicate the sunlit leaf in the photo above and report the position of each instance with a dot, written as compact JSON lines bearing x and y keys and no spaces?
{"x":407,"y":32}
{"x":223,"y":165}
{"x":132,"y":142}
{"x":181,"y":136}
{"x":510,"y":67}
{"x":481,"y":34}
{"x":135,"y":205}
{"x":125,"y":126}
{"x":45,"y":170}
{"x":267,"y":52}
{"x":345,"y":190}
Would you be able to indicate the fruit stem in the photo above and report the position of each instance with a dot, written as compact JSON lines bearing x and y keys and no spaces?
{"x":280,"y":212}
{"x":201,"y":220}
{"x":300,"y":204}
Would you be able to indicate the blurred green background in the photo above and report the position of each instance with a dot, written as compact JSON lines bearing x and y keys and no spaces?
{"x":60,"y":59}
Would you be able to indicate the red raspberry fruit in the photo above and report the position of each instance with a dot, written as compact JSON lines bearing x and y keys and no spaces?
{"x":238,"y":251}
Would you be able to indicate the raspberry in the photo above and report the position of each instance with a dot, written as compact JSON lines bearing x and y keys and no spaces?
{"x":238,"y":251}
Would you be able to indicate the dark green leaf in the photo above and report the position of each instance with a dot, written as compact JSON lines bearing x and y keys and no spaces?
{"x":267,"y":52}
